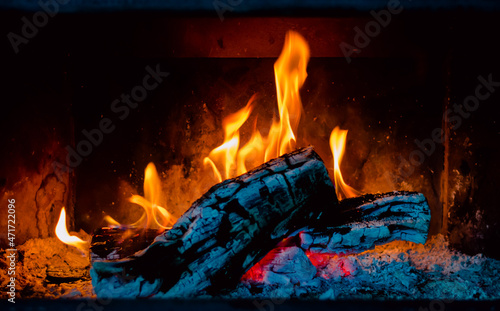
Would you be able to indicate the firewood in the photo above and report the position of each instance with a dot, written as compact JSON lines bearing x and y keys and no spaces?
{"x":367,"y":221}
{"x":225,"y":232}
{"x":111,"y":243}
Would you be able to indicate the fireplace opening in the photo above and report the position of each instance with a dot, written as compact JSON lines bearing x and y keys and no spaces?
{"x":418,"y":102}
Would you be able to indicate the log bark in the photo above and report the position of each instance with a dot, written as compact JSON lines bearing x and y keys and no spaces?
{"x":225,"y":232}
{"x":364,"y":222}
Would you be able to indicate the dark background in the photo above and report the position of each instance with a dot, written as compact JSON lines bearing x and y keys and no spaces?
{"x":393,"y":92}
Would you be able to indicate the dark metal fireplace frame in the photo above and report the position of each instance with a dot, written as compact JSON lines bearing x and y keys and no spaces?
{"x":57,"y":77}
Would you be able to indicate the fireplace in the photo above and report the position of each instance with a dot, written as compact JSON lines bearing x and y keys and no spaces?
{"x":94,"y":102}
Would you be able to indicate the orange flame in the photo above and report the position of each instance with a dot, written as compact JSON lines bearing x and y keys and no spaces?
{"x":63,"y":235}
{"x":337,"y":145}
{"x":227,"y":152}
{"x":252,"y":151}
{"x":290,"y":74}
{"x":154,"y":216}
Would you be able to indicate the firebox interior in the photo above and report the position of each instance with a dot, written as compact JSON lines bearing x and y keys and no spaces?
{"x":426,"y":72}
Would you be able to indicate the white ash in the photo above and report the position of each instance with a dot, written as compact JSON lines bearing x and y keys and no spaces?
{"x":397,"y":270}
{"x":121,"y":287}
{"x":291,"y":266}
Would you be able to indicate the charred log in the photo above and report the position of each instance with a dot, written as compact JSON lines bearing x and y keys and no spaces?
{"x":364,"y":222}
{"x":225,"y":232}
{"x":112,"y":243}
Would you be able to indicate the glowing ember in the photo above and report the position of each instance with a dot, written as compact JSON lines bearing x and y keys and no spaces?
{"x":290,"y":74}
{"x":154,"y":216}
{"x":337,"y":144}
{"x":320,"y":260}
{"x":63,"y":235}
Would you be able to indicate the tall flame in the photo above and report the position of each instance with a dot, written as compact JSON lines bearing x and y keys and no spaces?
{"x":154,"y":216}
{"x":227,"y":152}
{"x":337,"y":144}
{"x":290,"y":74}
{"x":63,"y":235}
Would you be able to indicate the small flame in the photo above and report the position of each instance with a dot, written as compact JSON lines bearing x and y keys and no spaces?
{"x":290,"y":74}
{"x":227,"y":152}
{"x":337,"y":145}
{"x":111,"y":221}
{"x":63,"y":235}
{"x":155,"y":216}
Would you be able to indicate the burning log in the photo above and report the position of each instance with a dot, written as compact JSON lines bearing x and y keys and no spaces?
{"x":356,"y":225}
{"x":111,"y":243}
{"x":225,"y":232}
{"x":367,"y":221}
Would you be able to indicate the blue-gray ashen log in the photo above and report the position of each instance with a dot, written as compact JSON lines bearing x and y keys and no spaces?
{"x":360,"y":223}
{"x":225,"y":232}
